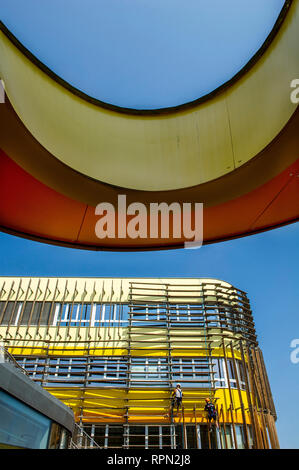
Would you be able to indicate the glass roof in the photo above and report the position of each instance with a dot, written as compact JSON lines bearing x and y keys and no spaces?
{"x":143,"y":54}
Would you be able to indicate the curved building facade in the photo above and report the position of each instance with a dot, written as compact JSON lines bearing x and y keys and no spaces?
{"x":114,"y":349}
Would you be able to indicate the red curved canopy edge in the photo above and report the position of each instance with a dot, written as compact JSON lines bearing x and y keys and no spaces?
{"x":32,"y":210}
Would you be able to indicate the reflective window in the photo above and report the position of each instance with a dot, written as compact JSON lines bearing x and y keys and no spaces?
{"x":191,"y":372}
{"x":55,"y":436}
{"x":240,"y":437}
{"x":226,"y":436}
{"x":22,"y":426}
{"x":210,"y":313}
{"x":133,"y":436}
{"x":153,"y":370}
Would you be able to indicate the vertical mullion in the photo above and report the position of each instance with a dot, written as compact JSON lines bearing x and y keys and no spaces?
{"x":45,"y":375}
{"x":160,"y":438}
{"x":92,"y":311}
{"x":120,"y":310}
{"x":35,"y":367}
{"x":102,"y":305}
{"x":14,"y":307}
{"x":51,"y":308}
{"x":19,"y":308}
{"x":62,"y":305}
{"x":253,"y":424}
{"x":196,"y":429}
{"x":254,"y":391}
{"x":110,"y":309}
{"x":80,"y":311}
{"x":103,"y":312}
{"x":240,"y":397}
{"x":5,"y":303}
{"x":70,"y":368}
{"x":230,"y":394}
{"x":106,"y":436}
{"x":71,"y":311}
{"x":43,"y":306}
{"x":224,"y":427}
{"x":146,"y":437}
{"x":33,"y":306}
{"x":57,"y":367}
{"x":92,"y":435}
{"x":58,"y":307}
{"x":173,"y":436}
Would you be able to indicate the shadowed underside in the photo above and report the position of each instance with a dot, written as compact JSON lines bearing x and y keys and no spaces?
{"x":63,"y":154}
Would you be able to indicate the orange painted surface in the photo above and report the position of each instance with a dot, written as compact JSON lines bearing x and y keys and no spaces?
{"x":31,"y":209}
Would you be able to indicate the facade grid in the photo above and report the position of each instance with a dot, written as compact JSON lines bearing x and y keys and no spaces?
{"x":114,"y":349}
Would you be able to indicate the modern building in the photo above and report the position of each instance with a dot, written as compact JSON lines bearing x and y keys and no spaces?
{"x":30,"y":417}
{"x":113,"y":349}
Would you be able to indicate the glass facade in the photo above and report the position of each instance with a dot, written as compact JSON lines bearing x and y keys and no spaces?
{"x":107,"y":371}
{"x":23,"y":427}
{"x":208,"y":314}
{"x":165,"y":436}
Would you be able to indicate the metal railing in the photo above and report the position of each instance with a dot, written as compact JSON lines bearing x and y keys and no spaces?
{"x":5,"y":356}
{"x":82,"y":440}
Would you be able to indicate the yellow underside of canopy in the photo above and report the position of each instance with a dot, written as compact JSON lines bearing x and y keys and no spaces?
{"x":160,"y":152}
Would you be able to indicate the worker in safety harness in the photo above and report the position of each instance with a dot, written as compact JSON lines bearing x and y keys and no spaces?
{"x":177,"y":395}
{"x":212,"y":413}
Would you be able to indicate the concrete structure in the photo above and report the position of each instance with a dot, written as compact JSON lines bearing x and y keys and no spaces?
{"x":113,"y":349}
{"x":30,"y":417}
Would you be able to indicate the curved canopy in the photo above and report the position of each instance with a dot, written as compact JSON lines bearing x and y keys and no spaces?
{"x":27,"y":152}
{"x":35,"y":211}
{"x":144,"y":54}
{"x":63,"y":152}
{"x":162,"y":151}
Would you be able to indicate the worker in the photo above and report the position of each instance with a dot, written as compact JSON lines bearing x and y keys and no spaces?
{"x":212,"y":413}
{"x":178,"y":396}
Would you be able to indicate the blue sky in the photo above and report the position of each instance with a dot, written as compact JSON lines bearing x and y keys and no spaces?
{"x":266,"y":266}
{"x":143,"y":53}
{"x":151,"y":53}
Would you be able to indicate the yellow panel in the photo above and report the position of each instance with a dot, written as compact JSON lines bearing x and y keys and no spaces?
{"x":156,"y":410}
{"x":160,"y":152}
{"x":260,"y":105}
{"x":107,"y":146}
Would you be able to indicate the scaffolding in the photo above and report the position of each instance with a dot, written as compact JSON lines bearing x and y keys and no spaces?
{"x":113,"y":350}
